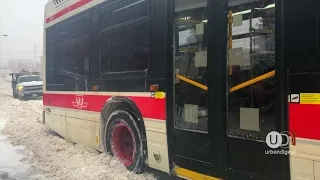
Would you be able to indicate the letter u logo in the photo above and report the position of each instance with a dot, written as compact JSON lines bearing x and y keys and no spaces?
{"x":274,"y":139}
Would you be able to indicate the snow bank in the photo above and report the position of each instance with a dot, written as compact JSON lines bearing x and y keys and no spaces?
{"x":51,"y":155}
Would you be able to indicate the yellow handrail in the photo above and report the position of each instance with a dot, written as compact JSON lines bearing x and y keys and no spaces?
{"x":192,"y":82}
{"x":233,"y":89}
{"x":253,"y":81}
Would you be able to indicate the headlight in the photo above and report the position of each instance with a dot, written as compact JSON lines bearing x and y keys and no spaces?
{"x":20,"y":88}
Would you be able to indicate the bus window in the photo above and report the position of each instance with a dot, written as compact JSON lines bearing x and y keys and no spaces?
{"x":251,"y":107}
{"x":190,"y":61}
{"x":134,"y":45}
{"x":127,"y":47}
{"x":134,"y":11}
{"x":73,"y":56}
{"x":305,"y":55}
{"x":128,"y":12}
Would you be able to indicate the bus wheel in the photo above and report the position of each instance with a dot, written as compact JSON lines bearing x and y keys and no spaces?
{"x":123,"y":140}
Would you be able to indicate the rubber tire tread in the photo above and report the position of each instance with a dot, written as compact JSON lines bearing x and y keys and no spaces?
{"x":122,"y":116}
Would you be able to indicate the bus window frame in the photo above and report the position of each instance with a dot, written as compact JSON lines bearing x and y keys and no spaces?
{"x":114,"y":6}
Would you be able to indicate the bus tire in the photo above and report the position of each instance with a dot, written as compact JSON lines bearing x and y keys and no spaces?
{"x":123,"y":140}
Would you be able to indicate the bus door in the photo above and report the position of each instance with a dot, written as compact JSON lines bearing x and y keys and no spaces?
{"x":227,"y":97}
{"x":192,"y":144}
{"x":256,"y":101}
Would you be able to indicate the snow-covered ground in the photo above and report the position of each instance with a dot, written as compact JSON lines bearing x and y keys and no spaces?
{"x":13,"y":160}
{"x":29,"y":150}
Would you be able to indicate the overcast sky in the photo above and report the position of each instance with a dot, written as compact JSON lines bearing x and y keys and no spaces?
{"x":22,"y":21}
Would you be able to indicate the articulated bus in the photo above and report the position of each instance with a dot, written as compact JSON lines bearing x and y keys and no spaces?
{"x":198,"y":89}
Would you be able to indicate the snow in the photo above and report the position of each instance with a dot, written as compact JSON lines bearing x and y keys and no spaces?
{"x":46,"y":155}
{"x":13,"y":159}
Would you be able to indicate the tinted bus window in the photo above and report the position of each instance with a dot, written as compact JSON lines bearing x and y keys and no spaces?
{"x":302,"y":42}
{"x":73,"y":56}
{"x":126,"y":49}
{"x":75,"y":27}
{"x":125,"y":13}
{"x":130,"y":12}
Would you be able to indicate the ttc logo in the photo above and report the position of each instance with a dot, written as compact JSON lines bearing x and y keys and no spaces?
{"x":275,"y":140}
{"x":79,"y":103}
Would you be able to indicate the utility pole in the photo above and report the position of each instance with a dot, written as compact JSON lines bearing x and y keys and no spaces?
{"x":34,"y":57}
{"x":35,"y":53}
{"x":33,"y":61}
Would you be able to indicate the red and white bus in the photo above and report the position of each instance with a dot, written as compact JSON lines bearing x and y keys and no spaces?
{"x":200,"y":89}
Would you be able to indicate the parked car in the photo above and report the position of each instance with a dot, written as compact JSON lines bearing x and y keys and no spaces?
{"x":26,"y":84}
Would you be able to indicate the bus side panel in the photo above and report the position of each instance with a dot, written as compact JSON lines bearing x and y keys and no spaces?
{"x":84,"y":128}
{"x":56,"y":120}
{"x":304,"y":123}
{"x":157,"y":143}
{"x":301,"y":52}
{"x":156,"y":130}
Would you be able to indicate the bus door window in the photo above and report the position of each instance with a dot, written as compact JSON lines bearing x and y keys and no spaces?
{"x":190,"y":62}
{"x":251,"y":56}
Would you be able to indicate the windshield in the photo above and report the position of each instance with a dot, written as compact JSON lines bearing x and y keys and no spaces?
{"x":29,"y":78}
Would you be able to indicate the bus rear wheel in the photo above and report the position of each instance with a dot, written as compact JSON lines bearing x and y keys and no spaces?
{"x":123,"y":140}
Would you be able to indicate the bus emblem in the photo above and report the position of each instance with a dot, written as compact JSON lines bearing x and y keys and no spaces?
{"x":79,"y":103}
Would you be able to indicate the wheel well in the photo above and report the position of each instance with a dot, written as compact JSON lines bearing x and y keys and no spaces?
{"x":117,"y":103}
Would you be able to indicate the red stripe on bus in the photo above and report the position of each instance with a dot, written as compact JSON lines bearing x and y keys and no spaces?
{"x":148,"y":106}
{"x":304,"y":120}
{"x":67,"y":10}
